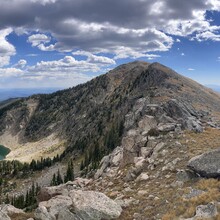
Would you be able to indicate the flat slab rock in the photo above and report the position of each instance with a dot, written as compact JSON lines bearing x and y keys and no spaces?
{"x":207,"y":164}
{"x":78,"y":205}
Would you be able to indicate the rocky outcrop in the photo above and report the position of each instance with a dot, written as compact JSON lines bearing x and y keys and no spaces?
{"x":75,"y":204}
{"x":207,"y":164}
{"x":111,"y":160}
{"x":208,"y":211}
{"x":7,"y":210}
{"x":4,"y":216}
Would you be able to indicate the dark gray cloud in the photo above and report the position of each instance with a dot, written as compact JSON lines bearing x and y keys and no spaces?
{"x":107,"y":25}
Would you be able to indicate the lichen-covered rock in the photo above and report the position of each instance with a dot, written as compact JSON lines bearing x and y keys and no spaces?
{"x":207,"y":164}
{"x":206,"y":211}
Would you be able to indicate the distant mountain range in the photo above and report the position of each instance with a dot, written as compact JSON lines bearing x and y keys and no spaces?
{"x":214,"y":87}
{"x":23,"y":92}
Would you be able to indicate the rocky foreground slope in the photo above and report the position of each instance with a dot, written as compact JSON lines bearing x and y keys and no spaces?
{"x":163,"y":164}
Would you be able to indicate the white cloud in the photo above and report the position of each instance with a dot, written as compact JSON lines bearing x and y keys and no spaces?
{"x":44,"y":2}
{"x":208,"y":35}
{"x":38,"y":39}
{"x":182,"y":54}
{"x":191,"y":69}
{"x":178,"y":40}
{"x":92,"y":58}
{"x":126,"y":52}
{"x":10,"y":72}
{"x":67,"y":69}
{"x":20,"y":64}
{"x":6,"y":49}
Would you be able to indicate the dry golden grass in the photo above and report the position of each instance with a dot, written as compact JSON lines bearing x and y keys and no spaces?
{"x":22,"y":216}
{"x":187,"y":207}
{"x":201,"y":142}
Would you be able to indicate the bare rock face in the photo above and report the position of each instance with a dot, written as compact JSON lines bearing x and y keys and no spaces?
{"x":101,"y":206}
{"x":7,"y":210}
{"x":112,"y":160}
{"x":10,"y":209}
{"x":77,"y":204}
{"x":207,"y":164}
{"x":148,"y":122}
{"x":4,"y":216}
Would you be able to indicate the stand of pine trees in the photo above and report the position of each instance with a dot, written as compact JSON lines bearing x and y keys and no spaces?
{"x":69,"y":175}
{"x":27,"y":201}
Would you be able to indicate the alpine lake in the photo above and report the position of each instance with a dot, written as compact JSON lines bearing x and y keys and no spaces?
{"x":3,"y":152}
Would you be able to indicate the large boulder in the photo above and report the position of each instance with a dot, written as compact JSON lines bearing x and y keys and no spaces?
{"x":193,"y":124}
{"x":47,"y":193}
{"x":207,"y":164}
{"x":4,"y":216}
{"x":147,"y":122}
{"x":7,"y":211}
{"x":94,"y":205}
{"x":78,"y":204}
{"x":10,"y":209}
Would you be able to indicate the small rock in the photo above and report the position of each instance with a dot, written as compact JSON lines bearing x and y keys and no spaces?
{"x":156,"y":198}
{"x":142,"y":177}
{"x":193,"y":193}
{"x":137,"y":216}
{"x":142,"y":192}
{"x":185,"y":175}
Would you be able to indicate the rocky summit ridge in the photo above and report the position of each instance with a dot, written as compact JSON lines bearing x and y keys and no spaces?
{"x":157,"y":134}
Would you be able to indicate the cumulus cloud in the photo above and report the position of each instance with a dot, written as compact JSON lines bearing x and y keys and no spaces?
{"x":66,"y":72}
{"x":207,"y":35}
{"x":20,"y":64}
{"x":38,"y":39}
{"x":10,"y":72}
{"x":94,"y":58}
{"x":6,"y":49}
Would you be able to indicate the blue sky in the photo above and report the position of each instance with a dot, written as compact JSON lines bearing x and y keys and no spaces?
{"x":61,"y":43}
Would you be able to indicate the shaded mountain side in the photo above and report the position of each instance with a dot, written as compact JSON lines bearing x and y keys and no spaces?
{"x":94,"y":113}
